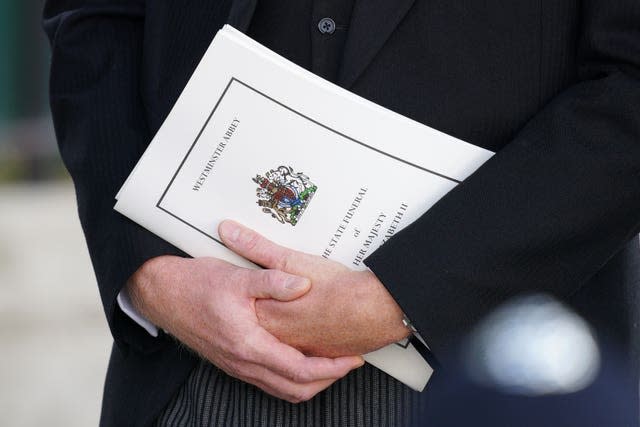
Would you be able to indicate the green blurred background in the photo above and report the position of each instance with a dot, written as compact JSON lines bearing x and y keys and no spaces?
{"x":54,"y":343}
{"x":27,"y":145}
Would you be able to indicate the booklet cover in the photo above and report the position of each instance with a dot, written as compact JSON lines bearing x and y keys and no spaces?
{"x":304,"y":162}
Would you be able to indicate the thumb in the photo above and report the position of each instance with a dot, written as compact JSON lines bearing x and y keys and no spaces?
{"x":276,"y":284}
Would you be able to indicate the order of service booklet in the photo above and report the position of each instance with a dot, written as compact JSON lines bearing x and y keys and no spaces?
{"x":311,"y":166}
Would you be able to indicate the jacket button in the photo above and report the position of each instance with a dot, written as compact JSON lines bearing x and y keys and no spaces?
{"x":327,"y":26}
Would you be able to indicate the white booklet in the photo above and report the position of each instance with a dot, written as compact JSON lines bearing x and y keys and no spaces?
{"x":255,"y":138}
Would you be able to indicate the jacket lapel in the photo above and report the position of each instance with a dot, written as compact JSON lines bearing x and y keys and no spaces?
{"x":372,"y":22}
{"x":241,"y":13}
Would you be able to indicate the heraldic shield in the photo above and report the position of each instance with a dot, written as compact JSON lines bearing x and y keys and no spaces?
{"x":284,"y":194}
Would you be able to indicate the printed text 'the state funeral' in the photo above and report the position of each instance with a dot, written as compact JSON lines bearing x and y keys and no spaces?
{"x":373,"y":233}
{"x":216,"y":155}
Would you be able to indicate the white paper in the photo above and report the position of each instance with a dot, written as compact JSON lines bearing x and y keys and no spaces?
{"x":247,"y":112}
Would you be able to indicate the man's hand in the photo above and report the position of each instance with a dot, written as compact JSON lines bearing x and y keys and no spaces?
{"x":209,"y":305}
{"x":346,"y":312}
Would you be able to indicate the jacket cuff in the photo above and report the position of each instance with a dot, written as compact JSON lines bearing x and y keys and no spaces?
{"x":125,"y":304}
{"x":114,"y":263}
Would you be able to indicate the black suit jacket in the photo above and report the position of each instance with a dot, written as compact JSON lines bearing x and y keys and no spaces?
{"x":552,"y":86}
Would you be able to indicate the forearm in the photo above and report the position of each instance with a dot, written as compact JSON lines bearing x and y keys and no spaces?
{"x":547,"y":212}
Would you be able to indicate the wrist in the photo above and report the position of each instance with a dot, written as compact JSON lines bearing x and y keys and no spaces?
{"x":389,"y":315}
{"x":143,"y":287}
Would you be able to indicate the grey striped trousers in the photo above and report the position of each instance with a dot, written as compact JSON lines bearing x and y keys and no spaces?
{"x":366,"y":397}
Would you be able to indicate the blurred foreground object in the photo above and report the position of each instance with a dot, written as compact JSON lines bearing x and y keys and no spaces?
{"x":533,"y":346}
{"x":534,"y":362}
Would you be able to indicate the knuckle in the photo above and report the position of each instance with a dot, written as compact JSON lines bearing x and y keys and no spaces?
{"x":304,"y":395}
{"x":247,"y":354}
{"x":283,"y":261}
{"x":249,"y":347}
{"x":299,"y":376}
{"x":273,"y":277}
{"x":209,"y":307}
{"x":238,"y":276}
{"x":291,"y":399}
{"x":233,"y":369}
{"x":240,"y":351}
{"x":241,"y":280}
{"x":294,"y":397}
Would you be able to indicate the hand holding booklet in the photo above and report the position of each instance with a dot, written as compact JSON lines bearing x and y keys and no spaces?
{"x":307,"y":164}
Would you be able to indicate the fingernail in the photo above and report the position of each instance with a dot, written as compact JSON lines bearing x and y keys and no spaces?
{"x":296,"y":283}
{"x":229,"y":230}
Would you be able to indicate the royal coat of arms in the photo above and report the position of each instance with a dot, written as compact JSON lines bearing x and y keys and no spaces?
{"x":284,"y":194}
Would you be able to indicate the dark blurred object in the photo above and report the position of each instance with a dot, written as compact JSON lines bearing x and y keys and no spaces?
{"x":27,"y":143}
{"x":534,"y":362}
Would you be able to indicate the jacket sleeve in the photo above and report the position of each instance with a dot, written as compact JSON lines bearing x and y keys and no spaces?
{"x":547,"y":211}
{"x":101,"y":131}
